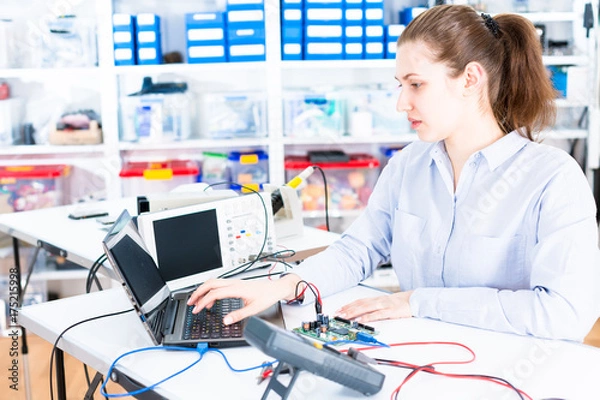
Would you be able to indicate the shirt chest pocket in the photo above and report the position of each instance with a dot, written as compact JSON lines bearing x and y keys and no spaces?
{"x":492,"y":262}
{"x":407,"y":241}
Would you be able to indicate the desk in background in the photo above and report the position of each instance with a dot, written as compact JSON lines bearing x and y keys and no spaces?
{"x":80,"y":241}
{"x":543,"y":369}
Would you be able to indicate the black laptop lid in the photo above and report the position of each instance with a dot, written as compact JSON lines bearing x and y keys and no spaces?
{"x":138,"y":269}
{"x":134,"y":264}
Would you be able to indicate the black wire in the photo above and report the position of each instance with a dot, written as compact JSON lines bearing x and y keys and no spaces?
{"x":309,"y":286}
{"x":287,"y":264}
{"x":261,"y":276}
{"x":98,"y":284}
{"x":264,"y":243}
{"x":245,"y":267}
{"x":326,"y":196}
{"x":92,"y":272}
{"x":431,"y":370}
{"x":280,"y":253}
{"x":91,"y":277}
{"x":65,"y":331}
{"x":318,"y":305}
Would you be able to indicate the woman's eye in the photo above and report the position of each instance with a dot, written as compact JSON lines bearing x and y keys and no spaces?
{"x":416,"y":85}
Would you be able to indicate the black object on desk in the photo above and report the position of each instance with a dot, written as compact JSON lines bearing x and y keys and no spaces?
{"x":300,"y":354}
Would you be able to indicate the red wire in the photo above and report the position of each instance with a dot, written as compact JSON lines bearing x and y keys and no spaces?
{"x":300,"y":296}
{"x":271,"y":269}
{"x":318,"y":293}
{"x":430,"y":367}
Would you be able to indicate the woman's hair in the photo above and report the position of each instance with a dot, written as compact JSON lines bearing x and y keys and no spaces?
{"x":520,"y":92}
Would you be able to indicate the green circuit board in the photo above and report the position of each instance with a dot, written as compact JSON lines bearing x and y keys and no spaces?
{"x":336,"y":329}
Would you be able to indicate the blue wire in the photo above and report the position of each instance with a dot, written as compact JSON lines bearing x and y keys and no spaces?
{"x":267,"y":364}
{"x":151,"y":387}
{"x":372,"y":343}
{"x":174,"y":348}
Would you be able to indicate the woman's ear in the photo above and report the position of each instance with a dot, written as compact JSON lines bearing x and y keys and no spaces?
{"x":474,"y":78}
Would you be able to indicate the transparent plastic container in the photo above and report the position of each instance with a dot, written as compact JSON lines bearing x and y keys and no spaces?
{"x":250,"y":169}
{"x":307,"y":114}
{"x":214,"y":167}
{"x":380,"y":106}
{"x":234,"y":115}
{"x":11,"y":111}
{"x":156,"y":118}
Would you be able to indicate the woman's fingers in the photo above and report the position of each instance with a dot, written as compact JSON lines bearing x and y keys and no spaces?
{"x":391,"y":306}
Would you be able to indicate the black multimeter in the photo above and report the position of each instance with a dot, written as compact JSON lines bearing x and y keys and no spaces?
{"x":302,"y":354}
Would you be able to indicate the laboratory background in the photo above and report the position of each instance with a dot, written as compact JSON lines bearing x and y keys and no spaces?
{"x":106,"y":99}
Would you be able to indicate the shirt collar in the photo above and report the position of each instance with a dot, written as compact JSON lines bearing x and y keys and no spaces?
{"x":504,"y":148}
{"x":437,"y":149}
{"x":495,"y":154}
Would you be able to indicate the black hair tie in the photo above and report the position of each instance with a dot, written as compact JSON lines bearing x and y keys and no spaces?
{"x":491,"y":24}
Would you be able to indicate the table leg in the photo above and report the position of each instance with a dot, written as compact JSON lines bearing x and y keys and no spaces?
{"x":60,"y":375}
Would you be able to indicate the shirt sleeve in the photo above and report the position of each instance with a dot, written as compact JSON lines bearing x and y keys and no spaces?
{"x":364,"y":245}
{"x":563,"y":300}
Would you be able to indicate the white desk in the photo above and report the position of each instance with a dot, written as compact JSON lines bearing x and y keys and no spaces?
{"x":80,"y":241}
{"x":543,"y":369}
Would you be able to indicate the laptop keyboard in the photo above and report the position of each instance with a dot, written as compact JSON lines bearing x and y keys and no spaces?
{"x":208,"y":324}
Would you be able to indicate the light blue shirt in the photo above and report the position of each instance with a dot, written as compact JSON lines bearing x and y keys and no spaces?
{"x":513,"y":249}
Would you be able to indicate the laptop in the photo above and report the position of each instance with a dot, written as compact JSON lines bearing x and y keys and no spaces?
{"x":164,"y":313}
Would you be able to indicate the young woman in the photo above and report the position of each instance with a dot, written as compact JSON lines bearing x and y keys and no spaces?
{"x":483,"y":225}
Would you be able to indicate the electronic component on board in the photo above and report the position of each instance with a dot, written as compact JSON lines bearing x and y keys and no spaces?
{"x":335,"y":329}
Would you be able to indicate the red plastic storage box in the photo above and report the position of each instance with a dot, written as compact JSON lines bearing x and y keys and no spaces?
{"x":30,"y":187}
{"x":349,"y":183}
{"x":145,"y":177}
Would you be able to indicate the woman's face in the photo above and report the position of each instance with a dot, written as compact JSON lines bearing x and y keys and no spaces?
{"x":432,"y":99}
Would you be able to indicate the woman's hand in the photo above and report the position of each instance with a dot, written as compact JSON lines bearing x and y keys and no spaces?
{"x":258,"y":295}
{"x":391,"y":306}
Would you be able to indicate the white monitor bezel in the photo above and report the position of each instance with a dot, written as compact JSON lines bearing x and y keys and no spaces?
{"x":146,"y":228}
